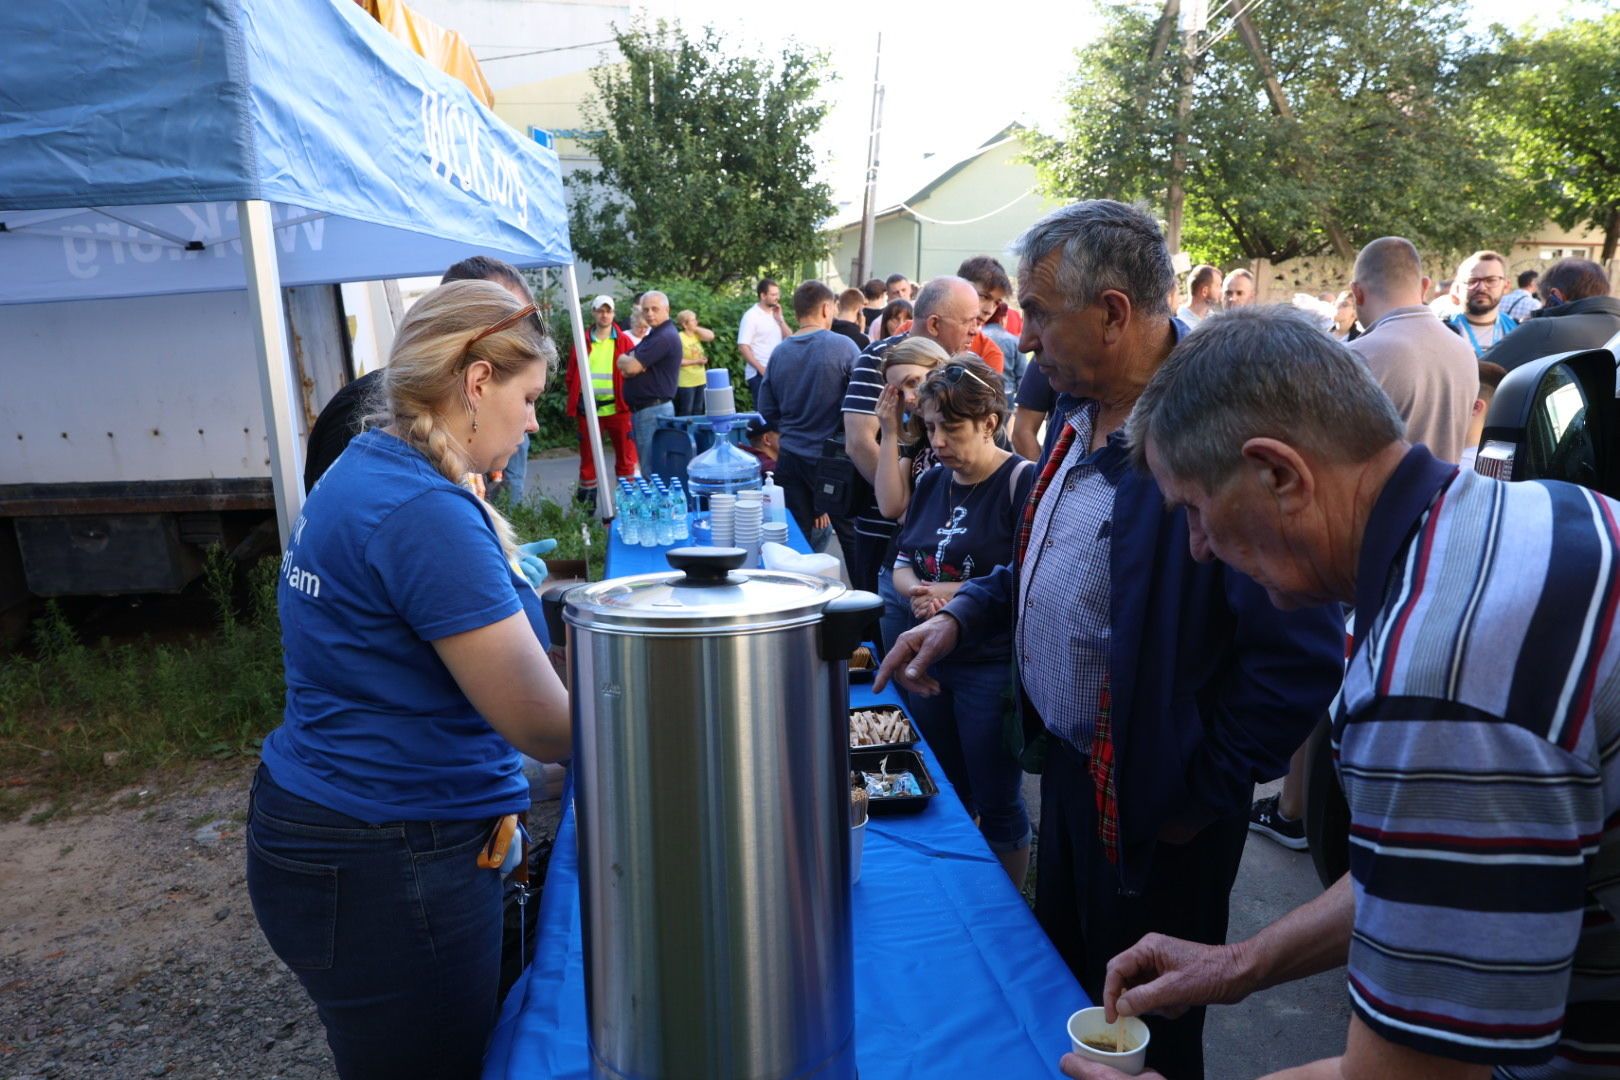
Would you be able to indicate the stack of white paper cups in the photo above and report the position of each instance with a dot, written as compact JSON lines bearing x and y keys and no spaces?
{"x":722,"y":507}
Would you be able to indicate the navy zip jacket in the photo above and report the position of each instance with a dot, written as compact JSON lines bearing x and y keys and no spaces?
{"x":1213,"y":687}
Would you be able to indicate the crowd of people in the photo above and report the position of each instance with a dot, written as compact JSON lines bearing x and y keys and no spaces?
{"x":1117,"y":522}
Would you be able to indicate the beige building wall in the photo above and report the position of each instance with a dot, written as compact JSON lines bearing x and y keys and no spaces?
{"x":1277,"y":282}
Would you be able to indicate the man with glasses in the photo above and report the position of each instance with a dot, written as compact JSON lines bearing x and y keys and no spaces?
{"x":1482,"y":281}
{"x":1154,"y":691}
{"x":947,"y":313}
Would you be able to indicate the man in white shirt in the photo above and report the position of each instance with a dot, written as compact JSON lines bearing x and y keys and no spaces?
{"x":1203,"y":295}
{"x":761,"y":330}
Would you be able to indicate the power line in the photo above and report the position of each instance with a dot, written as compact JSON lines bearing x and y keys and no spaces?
{"x":968,"y":221}
{"x":1227,"y":29}
{"x":554,"y":49}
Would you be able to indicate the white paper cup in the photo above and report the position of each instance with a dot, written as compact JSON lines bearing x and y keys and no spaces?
{"x":857,"y":842}
{"x":1090,"y":1023}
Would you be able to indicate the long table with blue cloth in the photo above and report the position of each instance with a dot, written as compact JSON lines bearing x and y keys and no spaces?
{"x":953,"y":976}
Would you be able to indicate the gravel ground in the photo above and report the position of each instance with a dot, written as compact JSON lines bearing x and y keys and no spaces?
{"x":128,"y":947}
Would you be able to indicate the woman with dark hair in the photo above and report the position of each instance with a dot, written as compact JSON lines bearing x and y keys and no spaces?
{"x":895,"y":318}
{"x":960,"y":524}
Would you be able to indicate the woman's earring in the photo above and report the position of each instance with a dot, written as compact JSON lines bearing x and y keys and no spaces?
{"x":475,"y":423}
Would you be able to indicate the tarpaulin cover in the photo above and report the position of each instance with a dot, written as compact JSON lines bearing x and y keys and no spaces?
{"x":953,"y":977}
{"x":130,"y":128}
{"x":443,"y":48}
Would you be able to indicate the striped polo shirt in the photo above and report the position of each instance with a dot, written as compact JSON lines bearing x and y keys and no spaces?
{"x":1478,"y":743}
{"x":861,"y":396}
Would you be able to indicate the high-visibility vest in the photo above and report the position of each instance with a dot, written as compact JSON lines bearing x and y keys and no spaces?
{"x":601,"y":354}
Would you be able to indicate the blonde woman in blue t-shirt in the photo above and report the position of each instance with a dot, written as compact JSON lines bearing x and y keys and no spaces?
{"x":415,"y":674}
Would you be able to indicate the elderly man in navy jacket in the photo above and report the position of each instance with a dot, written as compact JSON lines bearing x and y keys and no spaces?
{"x":1155,"y":691}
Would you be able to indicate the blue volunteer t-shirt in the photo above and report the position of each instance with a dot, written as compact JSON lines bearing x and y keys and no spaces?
{"x":387,"y":557}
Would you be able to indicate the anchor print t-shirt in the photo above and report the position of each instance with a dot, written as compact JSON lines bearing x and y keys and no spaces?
{"x":955,"y":533}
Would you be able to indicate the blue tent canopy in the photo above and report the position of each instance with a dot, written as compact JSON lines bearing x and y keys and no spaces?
{"x":167,"y":146}
{"x":131,"y":130}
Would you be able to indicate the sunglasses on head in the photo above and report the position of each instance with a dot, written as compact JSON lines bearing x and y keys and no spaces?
{"x":525,"y":312}
{"x":952,"y":374}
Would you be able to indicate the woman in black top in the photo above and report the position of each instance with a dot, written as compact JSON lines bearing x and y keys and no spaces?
{"x":960,"y":524}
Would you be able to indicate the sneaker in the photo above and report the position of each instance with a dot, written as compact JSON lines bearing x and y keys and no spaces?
{"x":1266,"y":819}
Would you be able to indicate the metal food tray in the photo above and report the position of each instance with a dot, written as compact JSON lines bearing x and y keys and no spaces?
{"x":899,"y":761}
{"x":904,"y":744}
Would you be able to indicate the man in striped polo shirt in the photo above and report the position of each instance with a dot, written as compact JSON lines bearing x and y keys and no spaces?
{"x":1477,"y":732}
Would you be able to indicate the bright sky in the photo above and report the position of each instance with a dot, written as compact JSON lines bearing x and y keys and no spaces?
{"x":953,"y":77}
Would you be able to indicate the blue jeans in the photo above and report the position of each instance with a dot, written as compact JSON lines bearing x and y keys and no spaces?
{"x":393,"y":929}
{"x":516,"y":470}
{"x":963,"y":724}
{"x":643,"y":422}
{"x":896,"y":618}
{"x":689,"y":401}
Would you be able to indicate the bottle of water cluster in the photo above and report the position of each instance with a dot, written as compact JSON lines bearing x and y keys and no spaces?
{"x":677,"y":505}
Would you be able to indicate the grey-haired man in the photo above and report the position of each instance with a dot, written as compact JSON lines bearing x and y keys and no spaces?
{"x":1161,"y":689}
{"x":1476,"y":730}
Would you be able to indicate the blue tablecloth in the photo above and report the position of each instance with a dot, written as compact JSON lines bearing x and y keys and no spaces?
{"x":954,"y":978}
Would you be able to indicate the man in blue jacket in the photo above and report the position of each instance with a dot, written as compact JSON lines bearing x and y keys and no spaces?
{"x":1155,"y":691}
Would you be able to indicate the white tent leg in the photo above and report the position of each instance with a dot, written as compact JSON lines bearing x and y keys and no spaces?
{"x":275,"y":362}
{"x":605,"y":488}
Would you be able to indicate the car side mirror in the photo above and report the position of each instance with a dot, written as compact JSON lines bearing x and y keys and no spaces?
{"x":1555,"y":419}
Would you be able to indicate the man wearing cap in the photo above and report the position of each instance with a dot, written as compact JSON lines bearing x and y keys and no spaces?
{"x":607,"y":344}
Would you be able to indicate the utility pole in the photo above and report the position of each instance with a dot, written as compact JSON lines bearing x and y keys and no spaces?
{"x":1193,"y":17}
{"x":863,"y":258}
{"x":1279,"y":104}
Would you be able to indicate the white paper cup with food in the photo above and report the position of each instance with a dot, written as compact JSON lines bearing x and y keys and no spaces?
{"x":857,"y":842}
{"x":1122,"y":1046}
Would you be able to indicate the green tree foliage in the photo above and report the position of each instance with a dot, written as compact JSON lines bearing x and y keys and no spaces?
{"x":1380,"y":143}
{"x":707,"y":171}
{"x":1558,"y":96}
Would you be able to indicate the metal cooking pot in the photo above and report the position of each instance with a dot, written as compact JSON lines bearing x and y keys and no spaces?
{"x":711,"y":786}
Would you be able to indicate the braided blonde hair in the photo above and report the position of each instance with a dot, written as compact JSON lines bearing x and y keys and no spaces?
{"x":422,"y":384}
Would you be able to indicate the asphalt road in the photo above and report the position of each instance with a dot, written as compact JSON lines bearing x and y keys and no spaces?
{"x":1285,"y":1026}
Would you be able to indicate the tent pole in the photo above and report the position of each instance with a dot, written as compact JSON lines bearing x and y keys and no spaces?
{"x":587,"y":400}
{"x":275,"y":363}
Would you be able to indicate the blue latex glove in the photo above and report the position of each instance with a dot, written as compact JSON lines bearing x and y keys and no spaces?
{"x":530,"y":563}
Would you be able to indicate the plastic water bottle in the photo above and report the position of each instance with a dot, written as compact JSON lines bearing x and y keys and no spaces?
{"x":649,"y":516}
{"x":629,"y":514}
{"x":665,"y":519}
{"x":677,"y":508}
{"x":722,"y":467}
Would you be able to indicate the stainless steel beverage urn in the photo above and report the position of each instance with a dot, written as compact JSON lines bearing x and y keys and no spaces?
{"x":711,"y":784}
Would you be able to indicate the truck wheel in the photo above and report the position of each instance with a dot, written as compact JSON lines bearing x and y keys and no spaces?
{"x":1327,"y":815}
